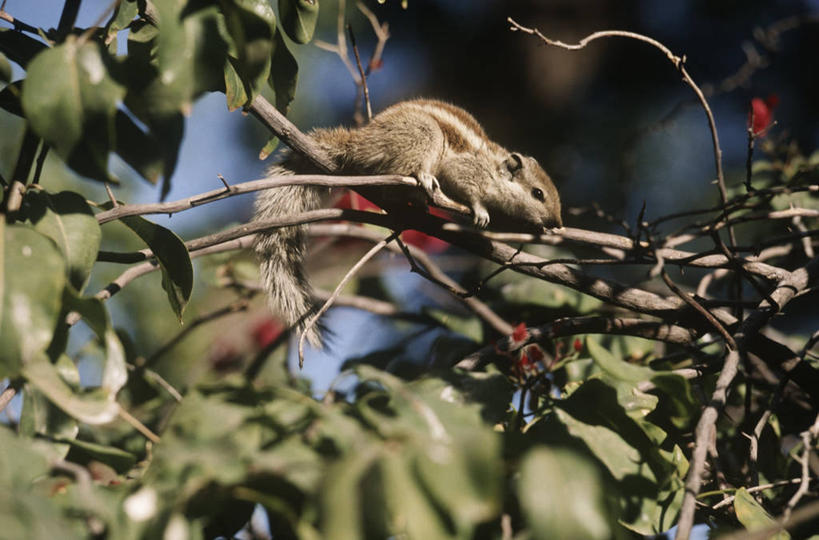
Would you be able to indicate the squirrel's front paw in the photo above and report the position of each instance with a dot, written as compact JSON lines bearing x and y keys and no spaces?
{"x":480,"y":216}
{"x":429,"y":183}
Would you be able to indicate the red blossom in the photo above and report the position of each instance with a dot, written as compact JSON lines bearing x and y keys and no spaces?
{"x":760,"y":115}
{"x":428,"y":243}
{"x":265,"y":332}
{"x":520,"y":333}
{"x":578,"y":345}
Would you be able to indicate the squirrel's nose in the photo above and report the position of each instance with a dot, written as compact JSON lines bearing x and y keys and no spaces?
{"x":552,"y":222}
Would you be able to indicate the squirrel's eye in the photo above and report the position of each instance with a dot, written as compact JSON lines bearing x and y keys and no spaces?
{"x":537,"y":193}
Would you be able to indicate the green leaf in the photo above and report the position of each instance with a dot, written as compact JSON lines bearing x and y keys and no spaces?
{"x":752,"y":516}
{"x":284,"y":73}
{"x":92,"y":407}
{"x":5,"y":69}
{"x":251,"y":25}
{"x":562,"y":496}
{"x":269,"y":148}
{"x":469,"y":327}
{"x":70,"y":101}
{"x":67,"y":219}
{"x":189,"y":57}
{"x":174,"y":260}
{"x":234,"y":87}
{"x":616,"y":368}
{"x":116,"y":458}
{"x":32,"y":279}
{"x":341,"y":501}
{"x":125,"y":12}
{"x":299,"y":18}
{"x":412,"y":514}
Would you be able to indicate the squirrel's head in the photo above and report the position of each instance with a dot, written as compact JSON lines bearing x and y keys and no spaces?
{"x":534,"y":203}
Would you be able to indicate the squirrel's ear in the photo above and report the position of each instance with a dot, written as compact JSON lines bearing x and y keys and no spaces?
{"x":514,"y":162}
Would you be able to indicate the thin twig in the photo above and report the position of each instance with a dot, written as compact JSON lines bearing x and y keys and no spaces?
{"x":139,"y":426}
{"x":347,"y":277}
{"x":362,"y":75}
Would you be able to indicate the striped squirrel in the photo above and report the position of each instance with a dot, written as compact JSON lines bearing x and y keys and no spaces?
{"x":439,"y":144}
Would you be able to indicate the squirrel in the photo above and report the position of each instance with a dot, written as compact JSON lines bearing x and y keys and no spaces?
{"x":439,"y":144}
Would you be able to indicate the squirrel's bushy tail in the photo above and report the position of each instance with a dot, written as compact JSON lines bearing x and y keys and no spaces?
{"x":281,"y":251}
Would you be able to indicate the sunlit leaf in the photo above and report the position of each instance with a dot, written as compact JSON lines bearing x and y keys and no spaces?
{"x":32,"y":279}
{"x":67,"y":219}
{"x":752,"y":516}
{"x":70,"y":100}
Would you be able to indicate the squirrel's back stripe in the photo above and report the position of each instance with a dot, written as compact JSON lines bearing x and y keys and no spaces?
{"x":462,"y":132}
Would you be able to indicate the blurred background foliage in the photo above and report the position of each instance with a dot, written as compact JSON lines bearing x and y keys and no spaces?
{"x":450,"y":455}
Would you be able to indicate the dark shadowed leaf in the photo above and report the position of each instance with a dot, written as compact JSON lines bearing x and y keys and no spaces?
{"x":67,"y":219}
{"x":251,"y":25}
{"x":299,"y":18}
{"x":5,"y":69}
{"x":284,"y":73}
{"x":19,"y":47}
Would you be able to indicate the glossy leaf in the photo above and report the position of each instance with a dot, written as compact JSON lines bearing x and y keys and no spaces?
{"x":32,"y":279}
{"x":70,"y":101}
{"x":284,"y":73}
{"x":174,"y":260}
{"x":299,"y":18}
{"x":68,"y":220}
{"x":562,"y":496}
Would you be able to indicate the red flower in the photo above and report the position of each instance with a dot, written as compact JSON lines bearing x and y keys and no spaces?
{"x":520,"y":333}
{"x":760,"y":116}
{"x":265,"y":332}
{"x":578,"y":345}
